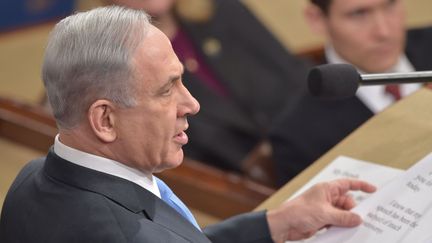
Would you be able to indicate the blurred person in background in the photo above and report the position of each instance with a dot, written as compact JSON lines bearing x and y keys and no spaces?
{"x":372,"y":36}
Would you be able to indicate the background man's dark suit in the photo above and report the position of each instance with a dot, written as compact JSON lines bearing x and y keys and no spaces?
{"x":76,"y":204}
{"x":301,"y":136}
{"x":261,"y":78}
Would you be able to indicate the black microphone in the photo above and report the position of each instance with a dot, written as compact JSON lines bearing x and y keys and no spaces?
{"x":343,"y":80}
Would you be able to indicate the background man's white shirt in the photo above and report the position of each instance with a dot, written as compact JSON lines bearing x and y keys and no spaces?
{"x":374,"y":97}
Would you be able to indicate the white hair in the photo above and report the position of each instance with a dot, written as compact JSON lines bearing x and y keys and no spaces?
{"x":89,"y":57}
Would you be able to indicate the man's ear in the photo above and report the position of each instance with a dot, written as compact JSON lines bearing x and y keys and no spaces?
{"x":101,"y":116}
{"x":316,"y":19}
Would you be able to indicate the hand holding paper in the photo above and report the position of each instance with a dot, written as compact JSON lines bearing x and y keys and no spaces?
{"x":323,"y":204}
{"x":399,"y":212}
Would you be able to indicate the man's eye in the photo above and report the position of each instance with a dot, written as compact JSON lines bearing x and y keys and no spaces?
{"x":391,"y":4}
{"x":358,"y":13}
{"x":167,"y":92}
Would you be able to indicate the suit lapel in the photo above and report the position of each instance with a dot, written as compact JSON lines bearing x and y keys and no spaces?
{"x":418,"y":48}
{"x":127,"y":194}
{"x":167,"y":217}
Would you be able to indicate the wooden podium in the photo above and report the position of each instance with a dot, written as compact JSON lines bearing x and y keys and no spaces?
{"x":398,"y":137}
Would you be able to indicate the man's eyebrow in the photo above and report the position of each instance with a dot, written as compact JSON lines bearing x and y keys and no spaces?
{"x":168,"y":83}
{"x":171,"y":80}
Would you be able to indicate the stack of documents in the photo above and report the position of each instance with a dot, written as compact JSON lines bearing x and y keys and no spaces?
{"x":400,"y":211}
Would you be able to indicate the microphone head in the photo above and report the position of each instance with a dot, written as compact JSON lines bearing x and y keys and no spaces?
{"x":333,"y":81}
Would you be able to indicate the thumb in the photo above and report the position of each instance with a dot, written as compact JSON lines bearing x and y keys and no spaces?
{"x":343,"y":218}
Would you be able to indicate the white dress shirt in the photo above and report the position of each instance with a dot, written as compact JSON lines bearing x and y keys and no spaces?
{"x":374,"y":96}
{"x":105,"y":165}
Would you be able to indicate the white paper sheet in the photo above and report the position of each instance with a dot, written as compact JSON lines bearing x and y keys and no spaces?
{"x":400,"y":212}
{"x":345,"y":167}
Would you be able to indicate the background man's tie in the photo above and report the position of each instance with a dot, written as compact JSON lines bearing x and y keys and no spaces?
{"x":171,"y":199}
{"x":393,"y":90}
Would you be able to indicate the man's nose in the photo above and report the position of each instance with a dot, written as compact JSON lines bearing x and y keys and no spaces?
{"x":189,"y":105}
{"x":381,"y":25}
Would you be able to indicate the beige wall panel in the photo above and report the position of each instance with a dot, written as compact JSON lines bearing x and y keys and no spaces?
{"x":21,"y":61}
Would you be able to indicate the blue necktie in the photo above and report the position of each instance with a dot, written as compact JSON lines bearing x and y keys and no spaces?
{"x":171,"y":199}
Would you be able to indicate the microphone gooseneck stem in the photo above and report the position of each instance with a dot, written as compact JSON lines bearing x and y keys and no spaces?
{"x":383,"y":78}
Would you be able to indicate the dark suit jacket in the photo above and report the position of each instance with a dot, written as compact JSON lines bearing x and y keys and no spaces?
{"x":259,"y":74}
{"x":53,"y":200}
{"x":302,"y":135}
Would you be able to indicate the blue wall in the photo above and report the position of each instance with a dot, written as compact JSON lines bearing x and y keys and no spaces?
{"x":19,"y":13}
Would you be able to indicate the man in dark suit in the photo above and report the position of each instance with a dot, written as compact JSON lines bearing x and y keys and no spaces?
{"x":115,"y":86}
{"x":370,"y":35}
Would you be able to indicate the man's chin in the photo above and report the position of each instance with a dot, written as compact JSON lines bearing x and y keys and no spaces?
{"x":171,"y":163}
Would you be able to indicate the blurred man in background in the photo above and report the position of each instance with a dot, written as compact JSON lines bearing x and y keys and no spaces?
{"x":371,"y":35}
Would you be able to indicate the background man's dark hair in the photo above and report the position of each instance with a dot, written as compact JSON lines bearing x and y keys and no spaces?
{"x":324,"y":5}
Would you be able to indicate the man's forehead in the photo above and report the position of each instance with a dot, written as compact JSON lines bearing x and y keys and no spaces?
{"x":154,"y":48}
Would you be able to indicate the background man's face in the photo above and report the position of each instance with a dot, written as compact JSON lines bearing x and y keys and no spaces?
{"x":367,"y":33}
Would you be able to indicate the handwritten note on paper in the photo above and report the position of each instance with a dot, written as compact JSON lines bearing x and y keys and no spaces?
{"x":400,"y":212}
{"x":345,"y":167}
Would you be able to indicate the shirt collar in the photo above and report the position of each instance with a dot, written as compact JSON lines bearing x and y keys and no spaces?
{"x":374,"y":96}
{"x":106,"y":165}
{"x":403,"y":64}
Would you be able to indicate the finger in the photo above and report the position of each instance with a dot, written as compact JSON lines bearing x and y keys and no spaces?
{"x":355,"y":185}
{"x":343,"y":218}
{"x":345,"y":202}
